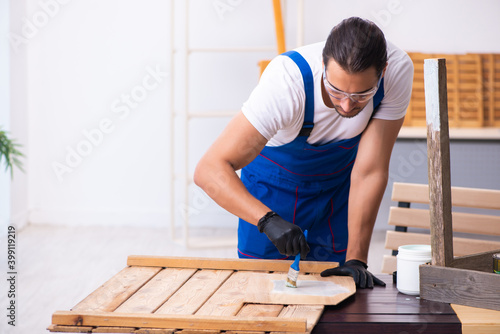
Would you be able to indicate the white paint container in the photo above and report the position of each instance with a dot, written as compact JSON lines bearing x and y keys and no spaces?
{"x":409,"y":258}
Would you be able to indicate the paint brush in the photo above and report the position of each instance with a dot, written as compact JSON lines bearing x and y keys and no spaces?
{"x":293,"y":272}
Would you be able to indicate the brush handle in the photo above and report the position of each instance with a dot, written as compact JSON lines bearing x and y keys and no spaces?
{"x":295,"y":264}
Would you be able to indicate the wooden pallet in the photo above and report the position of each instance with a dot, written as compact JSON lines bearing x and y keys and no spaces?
{"x":491,"y":88}
{"x":465,"y":90}
{"x":170,"y":294}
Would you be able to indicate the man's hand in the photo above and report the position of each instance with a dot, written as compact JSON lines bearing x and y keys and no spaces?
{"x":287,"y":237}
{"x":357,"y":270}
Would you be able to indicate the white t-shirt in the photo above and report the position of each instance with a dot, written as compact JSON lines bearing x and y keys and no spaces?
{"x":276,"y":106}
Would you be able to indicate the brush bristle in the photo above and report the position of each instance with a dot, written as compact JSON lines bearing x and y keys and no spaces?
{"x":290,"y":283}
{"x":291,"y":279}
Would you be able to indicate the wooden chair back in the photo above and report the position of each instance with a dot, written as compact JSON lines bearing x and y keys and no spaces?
{"x":479,"y":232}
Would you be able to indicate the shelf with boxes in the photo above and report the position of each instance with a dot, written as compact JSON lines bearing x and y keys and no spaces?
{"x":473,"y":85}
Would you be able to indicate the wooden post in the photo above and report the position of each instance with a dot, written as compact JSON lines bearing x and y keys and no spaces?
{"x":278,"y":22}
{"x":449,"y":280}
{"x":438,"y":152}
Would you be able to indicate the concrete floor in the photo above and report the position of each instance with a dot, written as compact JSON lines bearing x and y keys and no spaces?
{"x":58,"y":266}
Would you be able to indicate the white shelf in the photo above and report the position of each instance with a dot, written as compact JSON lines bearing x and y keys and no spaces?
{"x":408,"y":132}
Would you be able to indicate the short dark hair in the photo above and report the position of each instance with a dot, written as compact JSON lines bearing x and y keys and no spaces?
{"x":356,"y":44}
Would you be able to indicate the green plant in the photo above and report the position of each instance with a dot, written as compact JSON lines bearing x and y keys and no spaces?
{"x":10,"y":153}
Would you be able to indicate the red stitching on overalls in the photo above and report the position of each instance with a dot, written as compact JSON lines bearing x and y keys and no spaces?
{"x":331,"y":231}
{"x":255,"y":257}
{"x":348,"y":148}
{"x":277,"y":164}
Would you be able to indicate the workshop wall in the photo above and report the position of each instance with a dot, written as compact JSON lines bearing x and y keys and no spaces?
{"x":4,"y":111}
{"x":97,"y":91}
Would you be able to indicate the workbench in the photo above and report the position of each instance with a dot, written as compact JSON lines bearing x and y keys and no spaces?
{"x":385,"y":310}
{"x":167,"y":294}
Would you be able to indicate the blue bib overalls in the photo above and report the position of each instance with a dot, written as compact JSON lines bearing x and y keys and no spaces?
{"x":305,"y":184}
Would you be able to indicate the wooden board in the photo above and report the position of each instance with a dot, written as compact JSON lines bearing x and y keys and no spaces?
{"x":177,"y":321}
{"x":310,"y":267}
{"x":460,"y":286}
{"x":154,"y":293}
{"x":477,"y":320}
{"x":311,"y":289}
{"x":438,"y":163}
{"x":193,"y":295}
{"x":460,"y":196}
{"x":118,"y":289}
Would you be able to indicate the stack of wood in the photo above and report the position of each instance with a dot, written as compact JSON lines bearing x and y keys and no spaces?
{"x":473,"y":90}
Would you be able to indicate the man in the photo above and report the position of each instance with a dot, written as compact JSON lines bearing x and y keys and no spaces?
{"x":314,"y":142}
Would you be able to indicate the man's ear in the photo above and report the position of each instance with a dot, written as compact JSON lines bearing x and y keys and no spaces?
{"x":385,"y":68}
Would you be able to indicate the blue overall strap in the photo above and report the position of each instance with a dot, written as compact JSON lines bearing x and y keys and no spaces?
{"x":307,"y":76}
{"x":379,"y":95}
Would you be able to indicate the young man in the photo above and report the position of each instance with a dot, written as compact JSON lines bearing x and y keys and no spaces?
{"x":314,"y":142}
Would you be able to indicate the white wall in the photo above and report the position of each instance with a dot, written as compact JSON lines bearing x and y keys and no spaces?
{"x":4,"y":114}
{"x":86,"y":58}
{"x":19,"y":116}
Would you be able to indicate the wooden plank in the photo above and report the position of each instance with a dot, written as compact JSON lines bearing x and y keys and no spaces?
{"x":70,"y":329}
{"x":462,"y":222}
{"x":460,"y":196}
{"x":480,"y":262}
{"x":257,"y":310}
{"x":460,"y":286}
{"x":116,"y":290}
{"x":461,"y":246}
{"x":195,"y":292}
{"x":311,"y":289}
{"x":478,"y":96}
{"x":438,"y":148}
{"x":389,"y":264}
{"x":154,"y":331}
{"x":199,"y":331}
{"x":477,"y":320}
{"x":495,"y":90}
{"x":114,"y":330}
{"x":313,"y":267}
{"x":229,"y":298}
{"x":410,"y":192}
{"x":260,"y":310}
{"x":395,"y":239}
{"x":154,"y":293}
{"x":489,"y":87}
{"x":177,"y":321}
{"x":311,"y":312}
{"x":476,"y":198}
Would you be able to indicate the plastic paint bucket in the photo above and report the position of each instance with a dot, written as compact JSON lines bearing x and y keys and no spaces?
{"x":409,"y":258}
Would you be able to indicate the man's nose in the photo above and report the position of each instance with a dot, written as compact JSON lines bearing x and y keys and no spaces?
{"x":347,"y":104}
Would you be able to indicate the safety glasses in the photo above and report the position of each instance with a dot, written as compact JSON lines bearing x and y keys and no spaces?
{"x":341,"y":96}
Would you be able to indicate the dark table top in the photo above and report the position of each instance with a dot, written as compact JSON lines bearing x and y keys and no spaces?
{"x":386,"y":310}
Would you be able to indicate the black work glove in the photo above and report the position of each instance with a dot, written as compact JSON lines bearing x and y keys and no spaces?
{"x":357,"y":270}
{"x":287,"y":237}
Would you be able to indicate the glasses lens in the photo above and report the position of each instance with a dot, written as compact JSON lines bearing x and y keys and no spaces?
{"x":361,"y":97}
{"x":339,"y":95}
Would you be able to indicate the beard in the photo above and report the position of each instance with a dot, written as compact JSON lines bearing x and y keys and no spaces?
{"x":353,"y":113}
